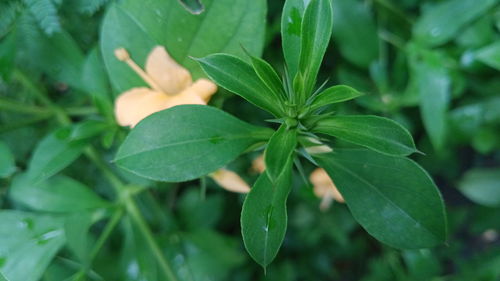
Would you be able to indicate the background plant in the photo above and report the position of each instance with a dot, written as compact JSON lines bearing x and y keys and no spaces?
{"x":421,"y":63}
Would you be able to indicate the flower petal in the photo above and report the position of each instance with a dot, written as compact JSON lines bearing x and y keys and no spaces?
{"x":204,"y":88}
{"x":166,"y":72}
{"x":185,"y":97}
{"x":230,"y":181}
{"x":136,"y":104}
{"x":324,"y":186}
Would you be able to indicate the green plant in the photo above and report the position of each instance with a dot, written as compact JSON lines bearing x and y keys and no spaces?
{"x":389,"y":195}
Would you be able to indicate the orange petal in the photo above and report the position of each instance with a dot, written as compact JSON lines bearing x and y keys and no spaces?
{"x":136,"y":104}
{"x":258,"y":164}
{"x":185,"y":97}
{"x":324,"y":186}
{"x":230,"y":181}
{"x":166,"y":72}
{"x":204,"y":88}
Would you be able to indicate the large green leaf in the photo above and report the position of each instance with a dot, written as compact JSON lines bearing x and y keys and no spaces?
{"x":57,"y":194}
{"x":279,"y":150}
{"x":264,"y":216}
{"x":393,"y":198}
{"x":291,"y":26}
{"x":28,"y":243}
{"x":53,"y":153}
{"x":223,"y":26}
{"x":186,"y":142}
{"x":315,"y":35}
{"x":376,"y":133}
{"x":443,"y":21}
{"x":240,"y":78}
{"x":482,"y":186}
{"x":355,"y":32}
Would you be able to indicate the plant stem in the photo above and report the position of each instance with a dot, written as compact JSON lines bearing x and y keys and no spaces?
{"x":119,"y":187}
{"x":7,"y":104}
{"x":148,"y":235}
{"x":103,"y":237}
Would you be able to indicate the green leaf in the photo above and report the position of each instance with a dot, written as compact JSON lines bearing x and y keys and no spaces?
{"x":53,"y":153}
{"x":185,"y":142}
{"x":335,"y":94}
{"x":76,"y":229}
{"x":442,"y":22}
{"x":355,"y":32}
{"x":490,"y":55}
{"x":2,"y":277}
{"x":88,"y":129}
{"x":377,"y":133}
{"x":393,"y":198}
{"x":240,"y":78}
{"x":482,"y":186}
{"x":315,"y":35}
{"x":28,"y":243}
{"x":223,"y":26}
{"x":57,"y":194}
{"x":279,"y":150}
{"x":268,"y":76}
{"x":120,"y":30}
{"x":433,"y":84}
{"x":7,"y":161}
{"x":264,"y":216}
{"x":291,"y":26}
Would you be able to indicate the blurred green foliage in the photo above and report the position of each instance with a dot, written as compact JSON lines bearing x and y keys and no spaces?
{"x":431,"y":65}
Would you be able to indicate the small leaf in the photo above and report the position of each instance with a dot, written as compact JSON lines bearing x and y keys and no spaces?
{"x":76,"y":229}
{"x":393,"y":198}
{"x":28,"y":243}
{"x":264,"y":217}
{"x":335,"y":94}
{"x":45,"y":14}
{"x":57,"y":194}
{"x":442,"y":22}
{"x":185,"y":142}
{"x":88,"y":129}
{"x":279,"y":150}
{"x":7,"y":162}
{"x":315,"y":35}
{"x":239,"y":77}
{"x":54,"y":153}
{"x":377,"y":133}
{"x":482,"y":186}
{"x":490,"y":55}
{"x":291,"y":25}
{"x":268,"y":76}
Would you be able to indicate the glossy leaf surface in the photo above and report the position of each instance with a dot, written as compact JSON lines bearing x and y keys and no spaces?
{"x":279,"y":150}
{"x":376,"y":133}
{"x":264,"y":216}
{"x":185,"y":142}
{"x":393,"y":198}
{"x":240,"y":78}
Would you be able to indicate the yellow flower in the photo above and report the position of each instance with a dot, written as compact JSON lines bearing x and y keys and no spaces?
{"x":170,"y":85}
{"x":230,"y":181}
{"x":325,"y":188}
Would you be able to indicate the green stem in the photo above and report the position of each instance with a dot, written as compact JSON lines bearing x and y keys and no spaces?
{"x":103,"y":237}
{"x":136,"y":216}
{"x":10,"y":105}
{"x":23,"y":123}
{"x":115,"y":181}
